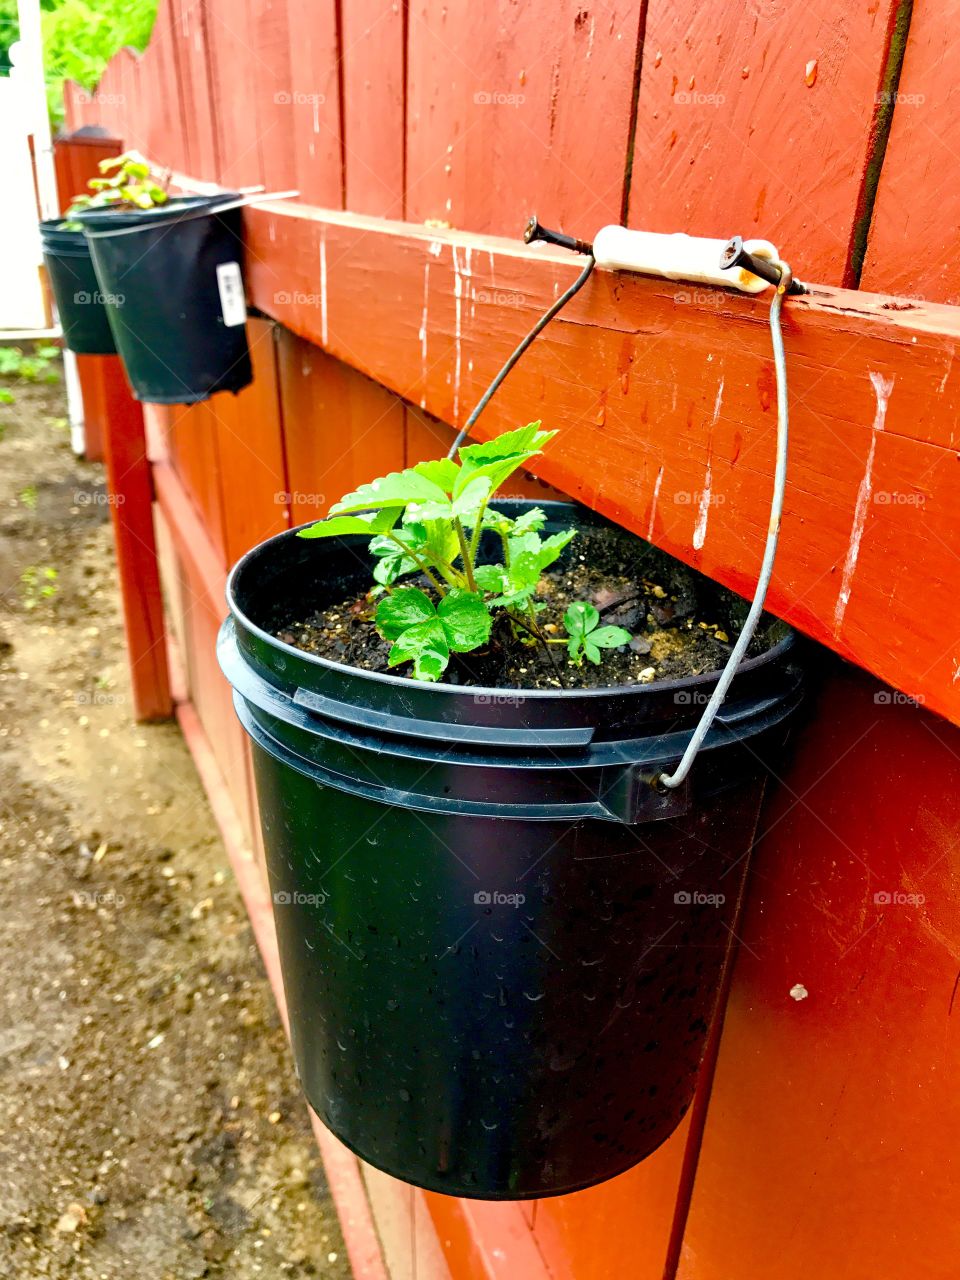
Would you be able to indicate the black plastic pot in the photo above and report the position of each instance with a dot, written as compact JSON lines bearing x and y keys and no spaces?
{"x":83,"y":316}
{"x":164,"y":273}
{"x":501,"y":946}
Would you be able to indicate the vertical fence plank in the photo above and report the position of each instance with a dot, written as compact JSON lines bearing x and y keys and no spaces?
{"x":236,"y":70}
{"x":196,"y":459}
{"x":314,"y":94}
{"x":914,"y":236}
{"x":374,"y":91}
{"x":270,"y":32}
{"x":250,"y":454}
{"x":190,"y":51}
{"x":757,"y":120}
{"x":516,"y":109}
{"x":340,"y":428}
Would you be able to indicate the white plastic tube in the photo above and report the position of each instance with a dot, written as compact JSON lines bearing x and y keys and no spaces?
{"x":677,"y":257}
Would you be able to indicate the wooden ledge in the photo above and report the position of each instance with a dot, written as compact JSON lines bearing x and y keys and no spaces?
{"x":664,"y":395}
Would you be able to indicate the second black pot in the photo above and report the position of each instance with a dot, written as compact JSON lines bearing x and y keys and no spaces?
{"x":172,"y":281}
{"x":76,"y":290}
{"x":501,"y":946}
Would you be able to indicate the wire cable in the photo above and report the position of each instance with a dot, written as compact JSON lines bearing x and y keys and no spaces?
{"x":541,"y":324}
{"x":773,"y":535}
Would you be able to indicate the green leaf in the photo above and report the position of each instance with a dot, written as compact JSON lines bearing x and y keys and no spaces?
{"x":591,"y":650}
{"x":442,"y":472}
{"x":490,"y":577}
{"x":497,"y":459}
{"x":466,"y":620}
{"x":610,"y":637}
{"x":580,"y":618}
{"x":391,"y":561}
{"x":424,"y":644}
{"x":337,"y":526}
{"x":531,"y":521}
{"x":394,"y":490}
{"x":405,"y":607}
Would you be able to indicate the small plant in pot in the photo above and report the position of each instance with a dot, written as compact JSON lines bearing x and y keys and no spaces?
{"x":169,"y":274}
{"x":501,"y":942}
{"x":125,"y":182}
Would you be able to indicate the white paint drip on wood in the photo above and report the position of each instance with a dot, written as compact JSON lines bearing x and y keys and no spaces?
{"x":653,"y":504}
{"x":436,"y":247}
{"x":882,"y":387}
{"x":457,"y":333}
{"x":423,"y":334}
{"x":703,"y":511}
{"x":323,"y":286}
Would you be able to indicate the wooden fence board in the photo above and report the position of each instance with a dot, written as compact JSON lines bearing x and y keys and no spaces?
{"x":189,"y":24}
{"x":914,"y":235}
{"x":314,"y":106}
{"x":515,"y":109}
{"x":196,"y":459}
{"x":756,"y":119}
{"x":235,"y":67}
{"x":374,"y":106}
{"x":664,"y":395}
{"x":339,"y":428}
{"x":830,"y":1146}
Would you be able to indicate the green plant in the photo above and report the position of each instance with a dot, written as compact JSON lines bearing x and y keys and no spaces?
{"x":429,"y":519}
{"x":35,"y":367}
{"x":587,"y":637}
{"x":28,"y":497}
{"x":39,"y":584}
{"x":132,"y":185}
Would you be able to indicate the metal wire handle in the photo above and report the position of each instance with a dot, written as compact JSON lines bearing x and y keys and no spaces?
{"x":679,"y":775}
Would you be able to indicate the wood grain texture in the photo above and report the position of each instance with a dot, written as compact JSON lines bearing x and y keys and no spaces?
{"x":235,"y":66}
{"x":757,"y":119}
{"x":914,"y":236}
{"x":374,"y":106}
{"x":515,"y":109}
{"x":194,"y":454}
{"x":339,"y":428}
{"x":664,"y":395}
{"x":313,"y":108}
{"x":191,"y":55}
{"x":830,"y":1146}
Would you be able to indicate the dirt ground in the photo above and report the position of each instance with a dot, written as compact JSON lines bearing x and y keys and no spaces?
{"x":150,"y":1122}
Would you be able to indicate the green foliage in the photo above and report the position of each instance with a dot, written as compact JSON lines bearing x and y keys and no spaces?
{"x":39,"y":583}
{"x":428,"y":520}
{"x":587,"y":637}
{"x":132,"y":184}
{"x":36,"y":366}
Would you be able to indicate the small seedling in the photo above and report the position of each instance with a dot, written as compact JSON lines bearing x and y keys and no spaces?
{"x":429,"y":520}
{"x":35,"y":367}
{"x":28,"y":497}
{"x":131,"y":184}
{"x":587,"y":637}
{"x":39,"y":584}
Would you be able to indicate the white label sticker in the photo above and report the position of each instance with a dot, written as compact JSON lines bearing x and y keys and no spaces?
{"x":232,"y":302}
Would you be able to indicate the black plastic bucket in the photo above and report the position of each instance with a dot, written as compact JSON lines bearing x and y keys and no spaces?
{"x":172,"y":280}
{"x":83,"y":316}
{"x":501,"y":946}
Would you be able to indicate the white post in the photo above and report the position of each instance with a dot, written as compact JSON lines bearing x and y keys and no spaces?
{"x":28,"y":69}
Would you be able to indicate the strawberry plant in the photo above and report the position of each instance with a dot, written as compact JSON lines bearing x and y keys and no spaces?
{"x":428,"y":520}
{"x":131,"y":184}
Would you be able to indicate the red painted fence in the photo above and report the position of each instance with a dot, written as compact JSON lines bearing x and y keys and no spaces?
{"x":823,"y":1143}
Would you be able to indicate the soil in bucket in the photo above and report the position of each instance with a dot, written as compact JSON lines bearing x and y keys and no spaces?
{"x":502,"y":945}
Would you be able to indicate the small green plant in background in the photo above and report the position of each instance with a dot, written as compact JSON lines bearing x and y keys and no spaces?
{"x":39,"y":583}
{"x":126,"y":182}
{"x":429,"y":520}
{"x":28,"y":497}
{"x":35,"y":366}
